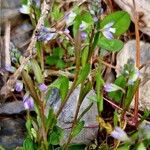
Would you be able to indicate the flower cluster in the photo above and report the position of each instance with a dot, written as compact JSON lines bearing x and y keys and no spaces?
{"x":131,"y":72}
{"x":46,"y":34}
{"x":95,"y":8}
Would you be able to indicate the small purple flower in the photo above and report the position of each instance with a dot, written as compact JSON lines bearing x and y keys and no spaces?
{"x":109,"y":87}
{"x":28,"y":101}
{"x":42,"y":87}
{"x":83,"y":26}
{"x":25,"y":9}
{"x":134,"y":77}
{"x":83,"y":35}
{"x":10,"y":68}
{"x":108,"y":31}
{"x":66,"y":31}
{"x":46,"y":34}
{"x":95,"y":19}
{"x":69,"y":18}
{"x":120,"y":134}
{"x":19,"y":86}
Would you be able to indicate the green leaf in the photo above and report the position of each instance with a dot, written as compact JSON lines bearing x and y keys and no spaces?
{"x":84,"y":55}
{"x":28,"y":144}
{"x":51,"y":120}
{"x":141,"y":147}
{"x":121,"y":21}
{"x":58,"y":52}
{"x":83,"y":74}
{"x":56,"y":135}
{"x":113,"y":45}
{"x":145,"y":115}
{"x":56,"y":83}
{"x":1,"y":148}
{"x":29,"y":125}
{"x":85,"y":111}
{"x":79,"y":126}
{"x":99,"y":85}
{"x":24,"y":2}
{"x":117,"y":95}
{"x":37,"y":71}
{"x":52,"y":60}
{"x":56,"y":13}
{"x":76,"y":147}
{"x":60,"y":64}
{"x":64,"y":87}
{"x":55,"y":59}
{"x":124,"y":147}
{"x":115,"y":119}
{"x":87,"y":87}
{"x":130,"y":93}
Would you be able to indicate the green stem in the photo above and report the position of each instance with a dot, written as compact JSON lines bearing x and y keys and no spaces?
{"x":77,"y":55}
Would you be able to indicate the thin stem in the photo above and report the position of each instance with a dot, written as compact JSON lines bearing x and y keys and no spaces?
{"x":136,"y":19}
{"x":77,"y":44}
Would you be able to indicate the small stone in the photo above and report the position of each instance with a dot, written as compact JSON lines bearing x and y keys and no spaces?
{"x":11,"y":108}
{"x":12,"y":132}
{"x":65,"y":119}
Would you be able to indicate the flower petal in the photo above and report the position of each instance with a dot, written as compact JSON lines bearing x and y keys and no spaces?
{"x":42,"y":87}
{"x":113,"y":30}
{"x":19,"y":86}
{"x":28,"y":101}
{"x":108,"y":34}
{"x":67,"y":31}
{"x":119,"y":134}
{"x":10,"y":68}
{"x":25,"y":9}
{"x":70,"y":18}
{"x":83,"y":35}
{"x":108,"y":25}
{"x":83,"y":26}
{"x":109,"y":87}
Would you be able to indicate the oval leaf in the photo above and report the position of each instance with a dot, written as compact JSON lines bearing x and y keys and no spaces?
{"x":37,"y":71}
{"x":83,"y":74}
{"x":64,"y":87}
{"x":110,"y":45}
{"x":56,"y":135}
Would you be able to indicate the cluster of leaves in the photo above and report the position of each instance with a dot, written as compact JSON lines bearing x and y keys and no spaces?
{"x":84,"y":36}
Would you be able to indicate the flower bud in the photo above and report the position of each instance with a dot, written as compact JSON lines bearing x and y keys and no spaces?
{"x":42,"y":87}
{"x":19,"y":86}
{"x":28,"y":101}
